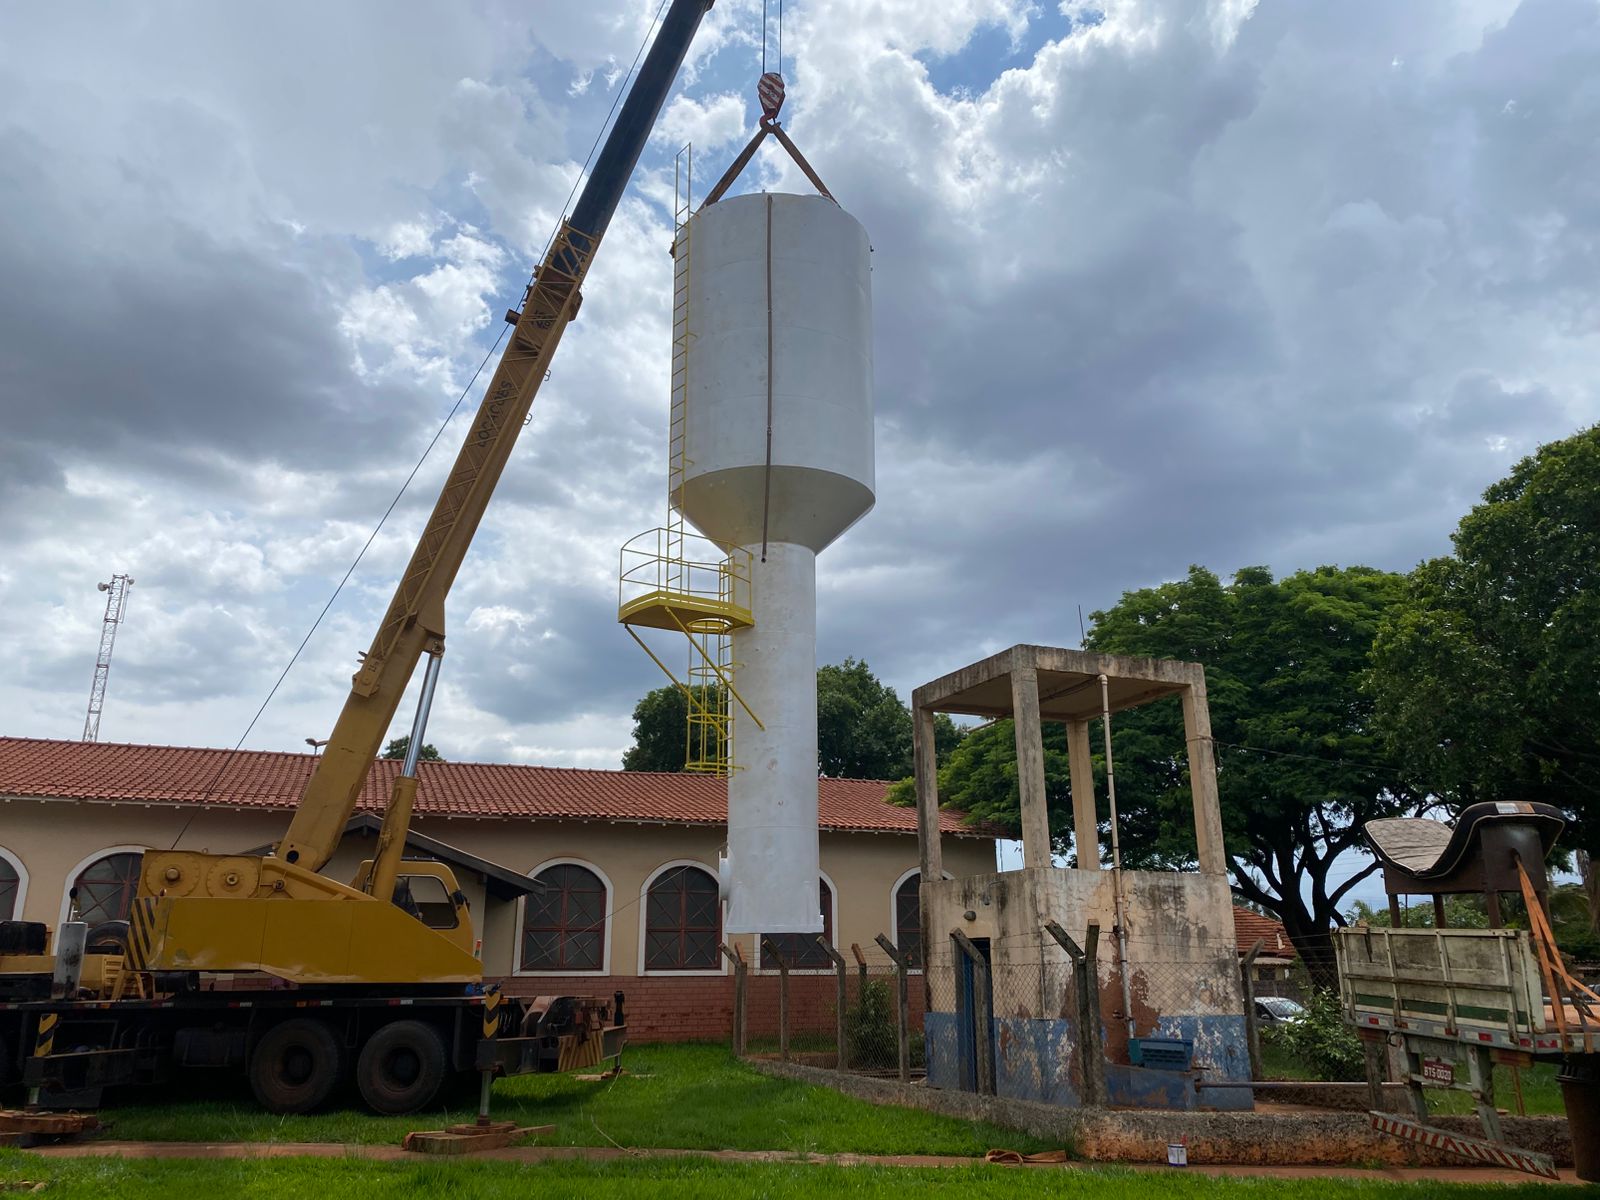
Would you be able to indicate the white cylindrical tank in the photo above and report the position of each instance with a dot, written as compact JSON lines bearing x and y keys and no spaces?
{"x":779,"y":463}
{"x":821,"y":481}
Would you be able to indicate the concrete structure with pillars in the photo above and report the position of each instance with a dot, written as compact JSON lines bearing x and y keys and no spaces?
{"x":1004,"y":1012}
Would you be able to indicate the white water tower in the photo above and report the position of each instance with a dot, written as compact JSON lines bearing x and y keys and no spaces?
{"x":778,"y":463}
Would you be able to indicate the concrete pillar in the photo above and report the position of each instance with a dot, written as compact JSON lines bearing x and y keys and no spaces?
{"x":1203,"y":780}
{"x":1085,"y":828}
{"x":927,"y":771}
{"x":1030,"y":767}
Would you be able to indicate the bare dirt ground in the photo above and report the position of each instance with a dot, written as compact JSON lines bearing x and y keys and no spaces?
{"x":534,"y":1154}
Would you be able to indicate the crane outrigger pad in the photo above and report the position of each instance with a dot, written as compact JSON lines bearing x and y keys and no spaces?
{"x":467,"y":1139}
{"x":27,"y":1128}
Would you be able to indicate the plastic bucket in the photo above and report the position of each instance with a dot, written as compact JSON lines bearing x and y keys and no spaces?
{"x":1580,"y":1093}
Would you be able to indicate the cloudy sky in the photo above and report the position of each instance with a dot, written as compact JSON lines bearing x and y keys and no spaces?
{"x":1157,"y":282}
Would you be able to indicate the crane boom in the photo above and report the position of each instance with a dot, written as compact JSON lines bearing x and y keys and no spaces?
{"x":414,"y":623}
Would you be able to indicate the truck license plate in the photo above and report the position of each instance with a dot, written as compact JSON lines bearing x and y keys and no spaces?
{"x":1438,"y":1070}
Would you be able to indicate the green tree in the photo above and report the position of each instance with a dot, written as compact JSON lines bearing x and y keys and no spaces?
{"x":863,"y":727}
{"x":1460,"y":912}
{"x":1299,"y":771}
{"x":1486,"y":675}
{"x":398,"y":746}
{"x":660,"y":731}
{"x":1567,"y":903}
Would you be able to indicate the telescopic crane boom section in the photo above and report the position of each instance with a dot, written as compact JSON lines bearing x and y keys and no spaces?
{"x":198,"y":912}
{"x":414,"y":623}
{"x":383,"y":969}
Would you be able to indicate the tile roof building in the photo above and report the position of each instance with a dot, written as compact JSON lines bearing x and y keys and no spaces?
{"x":619,"y":867}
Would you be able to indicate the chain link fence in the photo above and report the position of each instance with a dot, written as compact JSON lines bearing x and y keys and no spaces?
{"x":1062,"y":1009}
{"x":862,"y":1012}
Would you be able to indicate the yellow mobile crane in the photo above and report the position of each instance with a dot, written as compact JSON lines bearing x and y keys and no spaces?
{"x":392,"y":986}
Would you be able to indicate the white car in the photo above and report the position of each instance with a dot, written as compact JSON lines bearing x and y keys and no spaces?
{"x":1278,"y":1010}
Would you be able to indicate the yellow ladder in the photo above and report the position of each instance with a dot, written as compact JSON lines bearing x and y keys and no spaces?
{"x":686,"y":583}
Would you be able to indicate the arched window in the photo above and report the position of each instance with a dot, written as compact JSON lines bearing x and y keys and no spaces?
{"x":564,"y":923}
{"x":683,"y":921}
{"x":802,"y":949}
{"x":10,"y":890}
{"x":106,"y":887}
{"x":908,"y":918}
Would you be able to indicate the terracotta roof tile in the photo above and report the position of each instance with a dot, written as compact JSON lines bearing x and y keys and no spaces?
{"x":268,"y":779}
{"x":1248,"y":926}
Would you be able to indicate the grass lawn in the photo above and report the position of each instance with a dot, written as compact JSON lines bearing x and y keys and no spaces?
{"x":689,"y":1097}
{"x":1541,"y":1094}
{"x":348,"y":1179}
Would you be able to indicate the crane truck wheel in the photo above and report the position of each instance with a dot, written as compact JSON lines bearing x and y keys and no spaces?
{"x":402,"y":1067}
{"x":296,"y":1066}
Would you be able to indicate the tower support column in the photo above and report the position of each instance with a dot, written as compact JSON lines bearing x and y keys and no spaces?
{"x":772,"y":787}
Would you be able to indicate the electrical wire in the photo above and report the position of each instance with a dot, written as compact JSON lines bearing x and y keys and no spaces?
{"x":360,"y":554}
{"x":434,"y":441}
{"x":664,"y":877}
{"x":1334,"y":761}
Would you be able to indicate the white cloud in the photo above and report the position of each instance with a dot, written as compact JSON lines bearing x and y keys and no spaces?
{"x":1174,"y":282}
{"x":709,"y":123}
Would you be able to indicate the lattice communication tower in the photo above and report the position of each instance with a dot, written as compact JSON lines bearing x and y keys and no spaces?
{"x":116,"y":604}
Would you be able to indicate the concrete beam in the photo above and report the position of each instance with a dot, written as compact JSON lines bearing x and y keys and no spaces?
{"x":1052,"y":658}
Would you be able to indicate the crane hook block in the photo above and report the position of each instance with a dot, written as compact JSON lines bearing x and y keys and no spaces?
{"x":769,"y":90}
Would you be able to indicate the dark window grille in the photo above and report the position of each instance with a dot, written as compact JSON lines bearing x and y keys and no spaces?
{"x":10,"y":885}
{"x":683,"y":921}
{"x":106,"y":887}
{"x":564,"y":923}
{"x":908,"y":919}
{"x":801,"y":950}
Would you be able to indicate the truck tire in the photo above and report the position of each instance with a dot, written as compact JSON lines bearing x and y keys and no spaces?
{"x":296,"y":1066}
{"x":402,"y":1067}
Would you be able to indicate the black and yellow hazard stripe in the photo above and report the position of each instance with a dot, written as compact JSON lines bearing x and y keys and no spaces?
{"x":141,"y":933}
{"x":491,"y":1012}
{"x":45,"y":1037}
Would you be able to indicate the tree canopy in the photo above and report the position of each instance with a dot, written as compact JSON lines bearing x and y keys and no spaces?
{"x":1487,"y":673}
{"x":660,"y":731}
{"x":397,"y":748}
{"x":1300,"y":768}
{"x":863,"y":727}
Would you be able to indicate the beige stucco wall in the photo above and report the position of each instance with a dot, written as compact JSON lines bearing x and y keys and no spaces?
{"x":54,"y":839}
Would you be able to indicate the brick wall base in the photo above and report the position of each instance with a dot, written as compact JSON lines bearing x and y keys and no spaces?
{"x":664,"y":1008}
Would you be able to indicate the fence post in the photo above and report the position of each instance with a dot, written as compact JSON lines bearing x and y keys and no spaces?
{"x":902,"y":969}
{"x":838,"y":970}
{"x":982,"y":1012}
{"x":1252,"y":1032}
{"x":733,"y":956}
{"x":783,"y":997}
{"x":1086,"y":982}
{"x":861,"y":963}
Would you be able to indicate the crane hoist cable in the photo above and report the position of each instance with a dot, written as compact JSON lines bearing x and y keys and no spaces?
{"x":765,"y":5}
